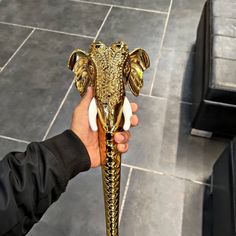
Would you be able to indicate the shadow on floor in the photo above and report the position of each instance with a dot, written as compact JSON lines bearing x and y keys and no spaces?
{"x":184,"y":139}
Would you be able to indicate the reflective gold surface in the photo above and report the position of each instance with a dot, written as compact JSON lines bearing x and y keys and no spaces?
{"x":108,"y":70}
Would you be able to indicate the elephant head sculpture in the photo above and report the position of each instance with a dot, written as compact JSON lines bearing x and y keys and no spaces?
{"x":108,"y":70}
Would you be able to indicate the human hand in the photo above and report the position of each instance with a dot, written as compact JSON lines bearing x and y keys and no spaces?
{"x":80,"y":126}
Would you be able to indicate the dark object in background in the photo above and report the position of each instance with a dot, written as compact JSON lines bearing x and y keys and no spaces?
{"x":223,"y":198}
{"x":214,"y":85}
{"x":207,"y":226}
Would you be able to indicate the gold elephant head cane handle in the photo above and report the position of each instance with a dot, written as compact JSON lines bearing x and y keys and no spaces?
{"x":108,"y":70}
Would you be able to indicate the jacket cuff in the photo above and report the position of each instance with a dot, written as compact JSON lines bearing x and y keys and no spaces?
{"x":70,"y":149}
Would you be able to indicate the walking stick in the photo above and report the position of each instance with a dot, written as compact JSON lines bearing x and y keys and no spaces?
{"x":108,"y":70}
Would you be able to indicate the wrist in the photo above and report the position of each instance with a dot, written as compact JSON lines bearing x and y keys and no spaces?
{"x":71,"y":151}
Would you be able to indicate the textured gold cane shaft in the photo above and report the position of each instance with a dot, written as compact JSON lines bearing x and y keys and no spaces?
{"x":111,"y":188}
{"x":111,"y":169}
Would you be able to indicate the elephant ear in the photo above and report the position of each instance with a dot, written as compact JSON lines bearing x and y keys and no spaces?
{"x":80,"y":63}
{"x":139,"y":61}
{"x":74,"y":58}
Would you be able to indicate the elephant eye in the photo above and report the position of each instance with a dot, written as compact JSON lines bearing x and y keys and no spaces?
{"x":97,"y":46}
{"x":91,"y":69}
{"x":118,"y":45}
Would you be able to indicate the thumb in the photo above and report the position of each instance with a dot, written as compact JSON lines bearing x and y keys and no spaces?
{"x":87,"y":97}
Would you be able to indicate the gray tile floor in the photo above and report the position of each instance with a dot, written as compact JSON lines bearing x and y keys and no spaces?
{"x":165,"y":170}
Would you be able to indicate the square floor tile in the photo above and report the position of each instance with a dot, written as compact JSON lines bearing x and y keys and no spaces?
{"x":80,"y":210}
{"x":43,"y":228}
{"x":182,"y":26}
{"x":174,"y":76}
{"x":162,"y":141}
{"x":162,"y":205}
{"x":192,"y":220}
{"x":11,"y":38}
{"x":68,"y":16}
{"x":157,"y":5}
{"x":33,"y":85}
{"x":63,"y":120}
{"x":7,"y":146}
{"x":137,"y":29}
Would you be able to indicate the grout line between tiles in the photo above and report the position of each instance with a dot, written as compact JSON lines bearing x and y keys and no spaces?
{"x":132,"y":167}
{"x":125,"y":194}
{"x":58,"y":110}
{"x":99,"y":30}
{"x":226,"y":36}
{"x":161,"y":45}
{"x":143,"y":169}
{"x":147,"y":95}
{"x":17,"y":50}
{"x":162,"y":98}
{"x":165,"y":174}
{"x":178,"y":50}
{"x":141,"y":9}
{"x":18,"y":25}
{"x":223,"y":58}
{"x":66,"y":33}
{"x":47,"y":30}
{"x":14,"y":139}
{"x":151,"y":96}
{"x":119,"y":6}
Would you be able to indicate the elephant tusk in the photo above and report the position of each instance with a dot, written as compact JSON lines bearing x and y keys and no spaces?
{"x":93,"y":111}
{"x":127,"y":111}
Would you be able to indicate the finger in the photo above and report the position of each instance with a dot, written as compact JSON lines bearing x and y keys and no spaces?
{"x":134,"y":107}
{"x":123,"y":147}
{"x":134,"y":120}
{"x":122,"y":137}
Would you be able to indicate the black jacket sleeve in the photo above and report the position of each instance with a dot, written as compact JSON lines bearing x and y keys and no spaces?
{"x":31,"y":181}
